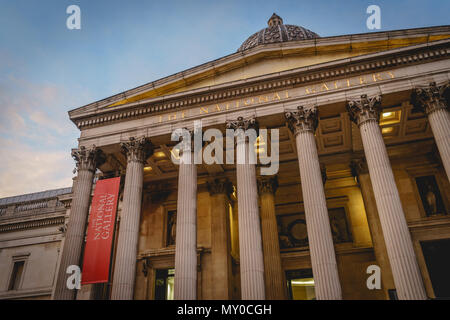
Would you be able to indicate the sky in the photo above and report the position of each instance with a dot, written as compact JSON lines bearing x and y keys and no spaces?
{"x":47,"y":69}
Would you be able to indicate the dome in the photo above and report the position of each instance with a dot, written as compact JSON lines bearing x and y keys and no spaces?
{"x":277,"y":32}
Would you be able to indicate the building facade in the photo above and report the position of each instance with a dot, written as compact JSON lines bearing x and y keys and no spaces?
{"x":31,"y":236}
{"x":362,"y":128}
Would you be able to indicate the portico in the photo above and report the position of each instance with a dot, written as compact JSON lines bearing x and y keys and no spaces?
{"x":205,"y":220}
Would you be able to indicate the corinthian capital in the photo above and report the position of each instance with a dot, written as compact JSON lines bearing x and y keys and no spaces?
{"x":88,"y":158}
{"x":431,"y":98}
{"x":358,"y":166}
{"x":364,"y":109}
{"x":218,"y":186}
{"x":302,"y":119}
{"x":243,"y":124}
{"x":137,"y":149}
{"x":267,"y":185}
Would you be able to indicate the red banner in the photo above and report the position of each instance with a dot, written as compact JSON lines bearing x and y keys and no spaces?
{"x":100,"y":233}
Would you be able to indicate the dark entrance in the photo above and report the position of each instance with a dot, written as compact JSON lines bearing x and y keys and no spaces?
{"x":437,"y":258}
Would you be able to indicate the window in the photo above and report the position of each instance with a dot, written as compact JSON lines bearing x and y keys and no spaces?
{"x":164,"y":284}
{"x":16,"y":275}
{"x":301,"y":285}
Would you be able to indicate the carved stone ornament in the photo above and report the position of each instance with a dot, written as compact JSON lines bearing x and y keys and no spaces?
{"x":137,"y":149}
{"x":364,"y":109}
{"x":243,"y":124}
{"x":219,"y":186}
{"x":302,"y":119}
{"x":88,"y":158}
{"x":188,"y":145}
{"x":358,"y":166}
{"x":431,"y":98}
{"x":267,"y":185}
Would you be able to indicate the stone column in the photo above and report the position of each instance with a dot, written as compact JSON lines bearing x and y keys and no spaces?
{"x":303,"y":123}
{"x":186,"y":240}
{"x":274,"y":274}
{"x":87,"y":160}
{"x":250,"y":243}
{"x":360,"y":170}
{"x":405,"y":270}
{"x":220,"y":238}
{"x":433,"y":100}
{"x":137,"y":150}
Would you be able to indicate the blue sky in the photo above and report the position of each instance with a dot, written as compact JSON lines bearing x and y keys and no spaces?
{"x":47,"y":69}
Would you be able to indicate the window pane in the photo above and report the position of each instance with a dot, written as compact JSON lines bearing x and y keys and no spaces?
{"x":16,"y":275}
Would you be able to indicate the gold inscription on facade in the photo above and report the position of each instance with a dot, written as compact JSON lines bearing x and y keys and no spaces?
{"x":326,"y":86}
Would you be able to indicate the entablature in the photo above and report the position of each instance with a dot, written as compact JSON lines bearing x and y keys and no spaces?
{"x":339,"y":70}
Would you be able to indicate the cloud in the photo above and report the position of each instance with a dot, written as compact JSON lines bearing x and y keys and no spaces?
{"x":26,"y":169}
{"x":36,"y":136}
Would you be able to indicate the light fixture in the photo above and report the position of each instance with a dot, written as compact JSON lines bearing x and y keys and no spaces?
{"x":303,"y":282}
{"x":148,"y":169}
{"x":387,"y":130}
{"x":390,"y":117}
{"x":259,"y":142}
{"x":159,"y":154}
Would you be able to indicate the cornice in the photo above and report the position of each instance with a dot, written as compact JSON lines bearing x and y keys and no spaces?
{"x":25,"y":293}
{"x":361,"y":41}
{"x":337,"y":69}
{"x":31,"y":224}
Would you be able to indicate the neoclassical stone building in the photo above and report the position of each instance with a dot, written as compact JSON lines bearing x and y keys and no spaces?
{"x":364,"y":159}
{"x":31,"y":237}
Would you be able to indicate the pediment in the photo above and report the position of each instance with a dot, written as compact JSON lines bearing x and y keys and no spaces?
{"x":267,"y":60}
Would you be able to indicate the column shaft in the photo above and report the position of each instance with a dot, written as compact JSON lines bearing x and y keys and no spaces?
{"x":220,"y":239}
{"x":321,"y":247}
{"x":250,"y":246}
{"x":405,"y":269}
{"x":433,"y":100}
{"x":186,"y":240}
{"x":376,"y":231}
{"x":440,"y":125}
{"x":74,"y":237}
{"x":127,"y":243}
{"x":87,"y":160}
{"x":274,"y":277}
{"x":303,"y":123}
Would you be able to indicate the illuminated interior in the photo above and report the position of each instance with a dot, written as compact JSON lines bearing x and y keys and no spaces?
{"x":302,"y":289}
{"x":159,"y":154}
{"x":170,"y":284}
{"x":387,"y":130}
{"x":259,"y":144}
{"x":390,"y":117}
